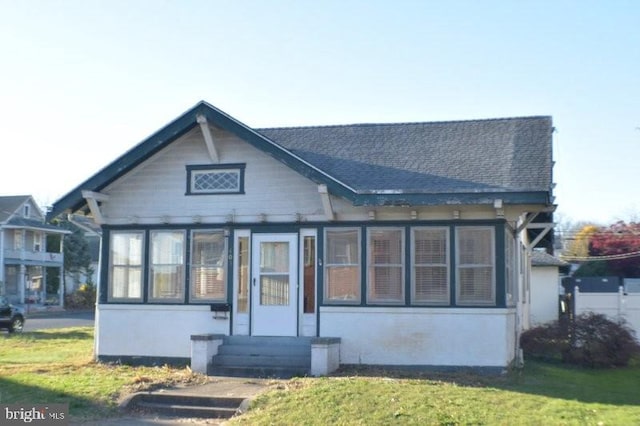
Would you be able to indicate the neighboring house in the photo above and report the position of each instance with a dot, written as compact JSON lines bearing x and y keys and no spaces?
{"x":545,"y":286}
{"x":92,"y":235}
{"x":407,"y":241}
{"x":26,"y":261}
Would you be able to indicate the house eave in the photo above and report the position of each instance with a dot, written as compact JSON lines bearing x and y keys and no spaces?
{"x":402,"y":199}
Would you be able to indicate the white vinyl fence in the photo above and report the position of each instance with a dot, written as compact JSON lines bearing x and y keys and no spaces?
{"x":616,"y":306}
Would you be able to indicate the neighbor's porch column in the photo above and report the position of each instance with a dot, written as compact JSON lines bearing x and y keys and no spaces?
{"x":22,"y":283}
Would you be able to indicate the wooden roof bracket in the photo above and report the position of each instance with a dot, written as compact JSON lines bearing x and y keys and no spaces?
{"x":545,"y":228}
{"x":326,"y":202}
{"x":92,"y":199}
{"x":208,"y":138}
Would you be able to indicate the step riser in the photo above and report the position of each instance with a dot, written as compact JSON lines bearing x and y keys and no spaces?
{"x":190,"y":400}
{"x":262,"y":361}
{"x":253,"y":350}
{"x":259,"y":372}
{"x":184,"y":411}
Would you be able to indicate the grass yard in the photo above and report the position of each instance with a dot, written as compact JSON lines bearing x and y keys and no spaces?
{"x":541,"y":394}
{"x":56,"y":367}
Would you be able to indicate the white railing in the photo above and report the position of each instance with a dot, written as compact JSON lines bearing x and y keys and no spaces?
{"x":35,"y":256}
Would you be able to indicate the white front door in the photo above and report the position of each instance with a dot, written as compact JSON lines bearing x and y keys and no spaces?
{"x":274,"y":285}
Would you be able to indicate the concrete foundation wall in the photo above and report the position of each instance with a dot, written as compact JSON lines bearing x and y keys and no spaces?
{"x":415,"y":336}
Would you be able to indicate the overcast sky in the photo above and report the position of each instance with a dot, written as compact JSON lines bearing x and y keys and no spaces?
{"x":81,"y":82}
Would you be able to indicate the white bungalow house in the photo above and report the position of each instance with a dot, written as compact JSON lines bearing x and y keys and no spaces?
{"x":27,"y":261}
{"x":407,"y":242}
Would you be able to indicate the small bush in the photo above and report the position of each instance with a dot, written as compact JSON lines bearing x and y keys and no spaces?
{"x":596,"y":341}
{"x":547,"y":342}
{"x":83,"y":298}
{"x":590,"y":340}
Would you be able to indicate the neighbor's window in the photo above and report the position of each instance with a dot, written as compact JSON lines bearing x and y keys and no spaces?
{"x":215,"y":179}
{"x":430,"y":261}
{"x":208,"y":266}
{"x":475,"y":266}
{"x":342,"y":265}
{"x":125,"y":266}
{"x":166,"y":266}
{"x":386,"y":265}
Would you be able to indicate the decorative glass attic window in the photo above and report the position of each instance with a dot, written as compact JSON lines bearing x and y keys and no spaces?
{"x":215,"y":179}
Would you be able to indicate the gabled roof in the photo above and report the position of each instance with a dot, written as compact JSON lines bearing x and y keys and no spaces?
{"x":542,"y":258}
{"x":10,"y":204}
{"x":460,"y":162}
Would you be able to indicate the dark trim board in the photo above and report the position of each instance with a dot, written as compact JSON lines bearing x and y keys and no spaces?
{"x":146,"y":361}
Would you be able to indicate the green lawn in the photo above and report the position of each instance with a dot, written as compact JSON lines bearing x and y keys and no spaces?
{"x":541,"y":394}
{"x":56,"y":367}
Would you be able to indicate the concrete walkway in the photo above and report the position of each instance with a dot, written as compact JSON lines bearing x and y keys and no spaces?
{"x":247,"y":388}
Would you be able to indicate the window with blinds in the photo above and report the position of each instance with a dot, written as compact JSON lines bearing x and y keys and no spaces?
{"x":430,"y":258}
{"x":385,"y":249}
{"x":208,"y":254}
{"x":475,"y":266}
{"x":125,"y":266}
{"x":166,"y":266}
{"x":342,"y":265}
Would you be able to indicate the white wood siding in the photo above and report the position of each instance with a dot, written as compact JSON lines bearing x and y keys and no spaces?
{"x":155,"y":191}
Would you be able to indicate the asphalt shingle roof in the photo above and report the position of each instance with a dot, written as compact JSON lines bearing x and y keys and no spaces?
{"x":9,"y":204}
{"x":495,"y":155}
{"x":542,"y":258}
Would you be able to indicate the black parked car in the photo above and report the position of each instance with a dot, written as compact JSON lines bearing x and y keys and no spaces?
{"x":11,"y":317}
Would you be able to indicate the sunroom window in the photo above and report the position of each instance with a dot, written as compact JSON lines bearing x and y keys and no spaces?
{"x":125,"y":266}
{"x":166,"y":266}
{"x":475,"y":266}
{"x":430,"y":259}
{"x":342,"y":265}
{"x":208,"y":266}
{"x":386,"y":265}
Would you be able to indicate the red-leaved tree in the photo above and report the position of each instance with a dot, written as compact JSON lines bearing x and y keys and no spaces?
{"x":618,"y":239}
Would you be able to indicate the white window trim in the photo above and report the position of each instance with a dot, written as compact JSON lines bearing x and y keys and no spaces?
{"x":150,"y":265}
{"x":370,"y":264}
{"x":110,"y":297}
{"x":327,"y":265}
{"x":225,"y":266}
{"x":492,"y":265}
{"x":447,"y":264}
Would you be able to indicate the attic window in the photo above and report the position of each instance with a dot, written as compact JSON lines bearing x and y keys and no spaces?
{"x":26,"y":211}
{"x":215,"y":179}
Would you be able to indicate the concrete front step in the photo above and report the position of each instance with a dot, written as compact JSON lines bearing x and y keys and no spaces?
{"x":186,"y":405}
{"x":257,"y":356}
